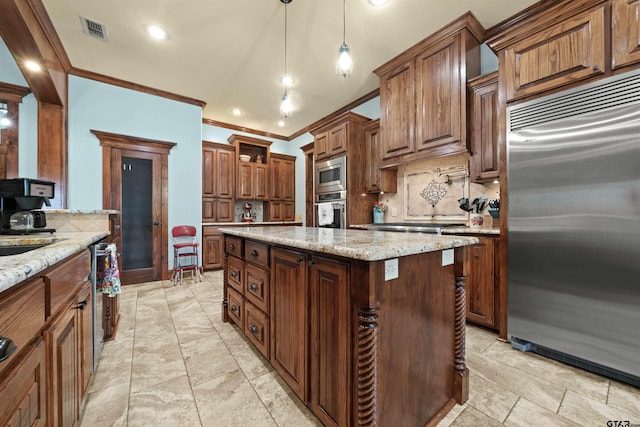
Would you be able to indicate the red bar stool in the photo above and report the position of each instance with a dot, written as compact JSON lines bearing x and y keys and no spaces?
{"x":185,"y":253}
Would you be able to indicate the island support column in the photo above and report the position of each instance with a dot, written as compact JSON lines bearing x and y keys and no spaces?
{"x":461,"y":375}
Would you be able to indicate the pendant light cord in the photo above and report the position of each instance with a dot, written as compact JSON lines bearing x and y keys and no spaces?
{"x":344,"y":21}
{"x":285,"y":44}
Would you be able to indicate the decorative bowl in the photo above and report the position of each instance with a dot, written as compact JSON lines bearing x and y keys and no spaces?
{"x":244,"y":157}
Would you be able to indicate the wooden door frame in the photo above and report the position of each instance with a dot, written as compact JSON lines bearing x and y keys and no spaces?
{"x":112,"y":146}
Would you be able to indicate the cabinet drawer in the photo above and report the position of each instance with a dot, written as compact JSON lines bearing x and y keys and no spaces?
{"x":257,"y":253}
{"x":257,"y":286}
{"x":64,"y":281}
{"x":236,"y":307}
{"x":233,"y":246}
{"x":257,"y":328}
{"x":235,"y":269}
{"x":22,"y":316}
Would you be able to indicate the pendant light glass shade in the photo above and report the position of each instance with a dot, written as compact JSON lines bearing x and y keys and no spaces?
{"x":285,"y":106}
{"x":344,"y":67}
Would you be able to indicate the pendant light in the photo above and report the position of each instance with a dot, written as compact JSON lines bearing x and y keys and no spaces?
{"x":344,"y":67}
{"x":286,"y":108}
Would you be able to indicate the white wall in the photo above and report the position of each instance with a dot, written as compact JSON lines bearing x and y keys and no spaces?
{"x":103,"y":107}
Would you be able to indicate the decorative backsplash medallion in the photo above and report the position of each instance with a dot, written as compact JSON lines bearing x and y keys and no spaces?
{"x":432,"y":194}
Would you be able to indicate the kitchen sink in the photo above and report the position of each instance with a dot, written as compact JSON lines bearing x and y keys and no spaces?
{"x":18,"y":249}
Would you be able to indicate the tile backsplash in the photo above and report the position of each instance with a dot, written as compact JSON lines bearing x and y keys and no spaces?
{"x":429,"y":191}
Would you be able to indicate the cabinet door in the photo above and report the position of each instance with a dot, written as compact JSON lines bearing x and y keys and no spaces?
{"x":481,"y":282}
{"x":321,"y":145}
{"x":439,"y":97}
{"x":224,"y":210}
{"x":275,"y":211}
{"x":567,"y":52}
{"x":225,"y":173}
{"x":85,"y":351}
{"x":245,"y":181}
{"x":377,"y":180}
{"x":483,"y":95}
{"x":111,"y":311}
{"x":337,"y":137}
{"x":331,"y":344}
{"x":288,"y":179}
{"x":209,"y":209}
{"x":62,"y":382}
{"x":275,"y":170}
{"x":23,"y":401}
{"x":213,"y":249}
{"x":397,"y":111}
{"x":261,"y":182}
{"x":289,"y":318}
{"x":625,"y":32}
{"x":208,"y":173}
{"x":288,"y":211}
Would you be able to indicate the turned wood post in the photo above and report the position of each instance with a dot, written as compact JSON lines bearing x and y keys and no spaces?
{"x":461,"y":374}
{"x":367,"y":387}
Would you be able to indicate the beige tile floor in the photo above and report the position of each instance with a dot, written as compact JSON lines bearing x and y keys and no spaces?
{"x":174,"y":363}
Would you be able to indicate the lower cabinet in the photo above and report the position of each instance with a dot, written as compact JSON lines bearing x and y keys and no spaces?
{"x":111,"y":316}
{"x":212,"y":248}
{"x":330,"y":340}
{"x":482,"y":271}
{"x":289,"y":318}
{"x":25,"y":388}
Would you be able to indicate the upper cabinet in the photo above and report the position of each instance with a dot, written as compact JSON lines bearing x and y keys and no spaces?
{"x":331,"y":142}
{"x":423,"y":94}
{"x":483,"y":127}
{"x":253,"y":159}
{"x":282,"y":201}
{"x":218,"y":179}
{"x":555,"y":47}
{"x":377,"y":180}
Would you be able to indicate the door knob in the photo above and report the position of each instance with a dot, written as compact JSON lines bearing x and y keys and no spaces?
{"x":156,"y":223}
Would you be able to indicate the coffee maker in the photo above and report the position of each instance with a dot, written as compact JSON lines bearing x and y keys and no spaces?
{"x":20,"y":203}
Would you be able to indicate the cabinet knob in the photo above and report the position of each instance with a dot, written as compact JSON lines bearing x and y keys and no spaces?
{"x":81,"y":305}
{"x":234,"y":274}
{"x":9,"y":347}
{"x":299,"y":260}
{"x":254,"y":253}
{"x":253,"y":329}
{"x":234,"y":308}
{"x":232,"y":246}
{"x":253,"y":287}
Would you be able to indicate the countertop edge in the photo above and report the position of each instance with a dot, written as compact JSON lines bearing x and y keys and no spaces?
{"x":15,"y":269}
{"x":364,"y":245}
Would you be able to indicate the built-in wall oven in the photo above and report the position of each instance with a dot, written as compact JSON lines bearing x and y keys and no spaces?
{"x":331,"y":210}
{"x":331,"y":176}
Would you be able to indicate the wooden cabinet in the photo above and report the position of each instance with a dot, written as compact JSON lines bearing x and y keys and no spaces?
{"x":218,"y":178}
{"x":483,"y":127}
{"x":111,"y":311}
{"x":331,"y":142}
{"x":282,"y":171}
{"x":289,"y":318}
{"x":23,"y":390}
{"x":571,"y":50}
{"x":212,"y":248}
{"x":423,"y":95}
{"x":482,"y":271}
{"x":252,"y":179}
{"x":330,"y":376}
{"x":625,"y":33}
{"x":351,"y":125}
{"x":85,"y":344}
{"x":377,"y":180}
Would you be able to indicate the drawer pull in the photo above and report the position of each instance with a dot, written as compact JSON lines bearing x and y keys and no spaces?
{"x":254,"y":253}
{"x":299,"y":260}
{"x":253,"y":287}
{"x":253,"y":329}
{"x":7,"y":347}
{"x":234,"y":308}
{"x":232,"y":246}
{"x":234,"y":274}
{"x":81,"y":305}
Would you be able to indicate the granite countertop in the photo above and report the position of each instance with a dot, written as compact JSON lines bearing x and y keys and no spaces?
{"x":450,"y":230}
{"x":365,"y":245}
{"x":60,"y":245}
{"x":80,"y":211}
{"x":250,"y":224}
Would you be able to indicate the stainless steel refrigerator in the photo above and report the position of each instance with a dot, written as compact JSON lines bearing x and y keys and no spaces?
{"x":573,"y":177}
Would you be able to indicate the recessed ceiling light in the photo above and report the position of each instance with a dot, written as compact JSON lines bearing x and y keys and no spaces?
{"x":287,"y":81}
{"x":378,"y":2}
{"x":236,"y":112}
{"x":33,"y":66}
{"x":157,"y":32}
{"x":281,"y":123}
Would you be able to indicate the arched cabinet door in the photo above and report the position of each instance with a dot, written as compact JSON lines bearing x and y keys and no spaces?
{"x":10,"y":98}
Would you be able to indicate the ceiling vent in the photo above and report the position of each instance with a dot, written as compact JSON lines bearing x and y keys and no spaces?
{"x":94,"y":29}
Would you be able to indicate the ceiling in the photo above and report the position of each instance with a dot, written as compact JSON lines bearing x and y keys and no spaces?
{"x":230,"y":54}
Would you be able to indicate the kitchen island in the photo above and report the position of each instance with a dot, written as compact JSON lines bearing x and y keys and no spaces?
{"x":366,"y":327}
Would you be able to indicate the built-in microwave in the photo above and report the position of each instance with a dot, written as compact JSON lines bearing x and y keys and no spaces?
{"x":331,"y":176}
